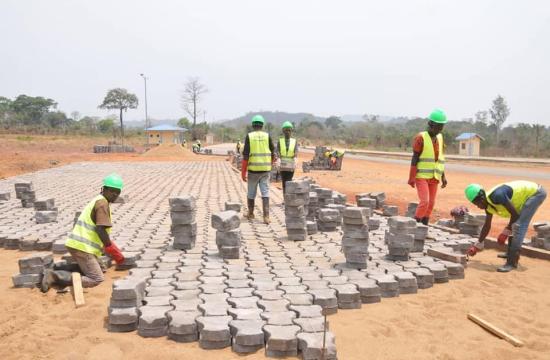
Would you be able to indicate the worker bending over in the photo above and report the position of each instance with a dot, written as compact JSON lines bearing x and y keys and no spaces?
{"x":428,"y":165}
{"x":89,"y":239}
{"x":258,"y":157}
{"x":287,"y":151}
{"x":516,"y":200}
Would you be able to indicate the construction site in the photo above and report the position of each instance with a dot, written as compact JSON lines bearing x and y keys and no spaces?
{"x":332,"y":276}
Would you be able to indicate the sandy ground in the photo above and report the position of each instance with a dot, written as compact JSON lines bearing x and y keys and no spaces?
{"x":429,"y":325}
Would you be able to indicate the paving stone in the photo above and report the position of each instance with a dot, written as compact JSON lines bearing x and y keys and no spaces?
{"x":299,"y":299}
{"x":153,"y":321}
{"x":279,"y":318}
{"x":311,"y":346}
{"x":274,"y":305}
{"x":186,"y":304}
{"x":225,"y":220}
{"x":245,"y":314}
{"x":281,"y":338}
{"x":214,"y":331}
{"x":240,"y":292}
{"x":182,"y":326}
{"x":244,"y":302}
{"x":307,"y":311}
{"x":182,"y":203}
{"x":247,"y":332}
{"x":269,"y":294}
{"x":389,"y":287}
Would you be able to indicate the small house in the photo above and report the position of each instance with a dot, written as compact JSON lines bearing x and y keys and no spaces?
{"x":165,"y":134}
{"x":469,"y":144}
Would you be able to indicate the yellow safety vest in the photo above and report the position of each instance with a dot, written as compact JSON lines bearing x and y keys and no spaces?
{"x":84,"y":235}
{"x":287,"y":154}
{"x":522,"y":190}
{"x":427,"y":167}
{"x":259,"y":158}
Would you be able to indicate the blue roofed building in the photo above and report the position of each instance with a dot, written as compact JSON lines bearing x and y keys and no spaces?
{"x":469,"y":144}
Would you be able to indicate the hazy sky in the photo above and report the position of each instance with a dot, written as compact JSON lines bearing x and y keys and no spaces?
{"x":324,"y":57}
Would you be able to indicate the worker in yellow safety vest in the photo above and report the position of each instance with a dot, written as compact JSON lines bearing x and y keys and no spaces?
{"x":239,"y":146}
{"x":428,"y":165}
{"x":515,"y":200}
{"x":89,"y":239}
{"x":287,"y":151}
{"x":258,"y":157}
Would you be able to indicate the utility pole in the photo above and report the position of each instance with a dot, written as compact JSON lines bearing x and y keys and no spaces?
{"x":146,"y":118}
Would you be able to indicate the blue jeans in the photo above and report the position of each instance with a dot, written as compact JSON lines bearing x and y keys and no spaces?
{"x":255,"y":179}
{"x":525,"y":216}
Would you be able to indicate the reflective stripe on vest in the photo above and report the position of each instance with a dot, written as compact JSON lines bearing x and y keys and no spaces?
{"x":427,"y":167}
{"x":259,"y":158}
{"x":84,"y":235}
{"x":522,"y":190}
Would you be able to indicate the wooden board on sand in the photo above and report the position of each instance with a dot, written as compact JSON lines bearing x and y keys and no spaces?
{"x":77,"y":290}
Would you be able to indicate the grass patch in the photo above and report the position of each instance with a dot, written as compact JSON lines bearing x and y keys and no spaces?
{"x":24,"y":138}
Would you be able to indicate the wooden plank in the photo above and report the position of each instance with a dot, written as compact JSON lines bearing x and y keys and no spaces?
{"x":447,"y":255}
{"x":495,"y":330}
{"x":77,"y":290}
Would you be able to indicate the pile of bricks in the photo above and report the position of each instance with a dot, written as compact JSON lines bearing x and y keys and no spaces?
{"x":184,"y":225}
{"x":228,"y":234}
{"x":355,"y":242}
{"x":4,"y":195}
{"x":542,"y":238}
{"x":45,"y":211}
{"x":472,"y":224}
{"x":296,"y":209}
{"x":420,"y":234}
{"x":325,"y":196}
{"x":31,"y":269}
{"x":126,"y":300}
{"x":328,"y":219}
{"x":400,"y":237}
{"x":24,"y":191}
{"x":390,"y":210}
{"x":339,"y":198}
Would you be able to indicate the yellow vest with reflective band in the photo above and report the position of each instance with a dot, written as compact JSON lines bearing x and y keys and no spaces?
{"x":259,"y":158}
{"x":84,"y":236}
{"x":287,"y":154}
{"x":427,"y":167}
{"x":522,"y":190}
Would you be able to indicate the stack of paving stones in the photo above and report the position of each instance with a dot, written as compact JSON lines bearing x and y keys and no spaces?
{"x":339,"y":198}
{"x":325,"y":196}
{"x":472,"y":224}
{"x":45,"y":211}
{"x":228,"y":234}
{"x":420,"y":234}
{"x":400,"y":237}
{"x":541,"y":239}
{"x":411,"y":209}
{"x":24,"y":191}
{"x":184,"y":225}
{"x":31,"y":269}
{"x":126,"y":299}
{"x":328,"y":219}
{"x":380,"y":198}
{"x":355,"y":242}
{"x":296,"y":209}
{"x":390,"y":210}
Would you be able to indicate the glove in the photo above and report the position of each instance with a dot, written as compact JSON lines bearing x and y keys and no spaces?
{"x":504,"y":236}
{"x":114,"y":253}
{"x":412,"y":176}
{"x":474,"y":249}
{"x":244,"y":169}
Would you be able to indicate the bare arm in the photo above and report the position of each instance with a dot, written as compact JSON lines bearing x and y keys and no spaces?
{"x":415,"y":158}
{"x":103,"y":236}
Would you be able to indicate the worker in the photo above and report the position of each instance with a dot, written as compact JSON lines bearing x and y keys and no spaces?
{"x":428,"y":165}
{"x":89,"y":239}
{"x":334,"y":156}
{"x":199,"y":145}
{"x":287,"y":151}
{"x":239,"y":146}
{"x":258,"y":157}
{"x":515,"y":200}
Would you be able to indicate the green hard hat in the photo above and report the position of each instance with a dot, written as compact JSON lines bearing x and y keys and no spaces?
{"x":287,"y":125}
{"x":472,"y":191}
{"x":113,"y":181}
{"x":438,"y":116}
{"x":258,"y":119}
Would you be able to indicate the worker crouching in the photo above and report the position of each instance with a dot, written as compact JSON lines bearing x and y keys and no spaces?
{"x":88,"y":240}
{"x":514,"y":200}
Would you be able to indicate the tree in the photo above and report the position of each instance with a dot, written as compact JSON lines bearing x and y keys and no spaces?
{"x":122,"y":100}
{"x":30,"y":109}
{"x":190,"y":98}
{"x":184,"y":123}
{"x":75,"y":115}
{"x":5,"y":111}
{"x":333,"y":122}
{"x":499,"y":113}
{"x":54,"y":119}
{"x":370,"y":118}
{"x":481,"y":116}
{"x":88,"y":123}
{"x":105,"y":125}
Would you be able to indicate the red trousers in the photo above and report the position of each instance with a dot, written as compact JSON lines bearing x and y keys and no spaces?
{"x":427,"y":191}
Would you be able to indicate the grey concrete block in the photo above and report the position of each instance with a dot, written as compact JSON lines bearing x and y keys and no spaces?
{"x":281,"y":337}
{"x":226,"y":220}
{"x":307,"y":311}
{"x":182,"y":203}
{"x":214,"y":328}
{"x":247,"y":332}
{"x":122,"y":316}
{"x":279,"y":318}
{"x":311,"y":346}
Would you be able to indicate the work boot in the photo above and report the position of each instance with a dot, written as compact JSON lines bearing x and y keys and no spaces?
{"x":48,"y":280}
{"x":425,"y":220}
{"x":511,"y":261}
{"x":418,"y":220}
{"x":265,"y":208}
{"x":250,"y":215}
